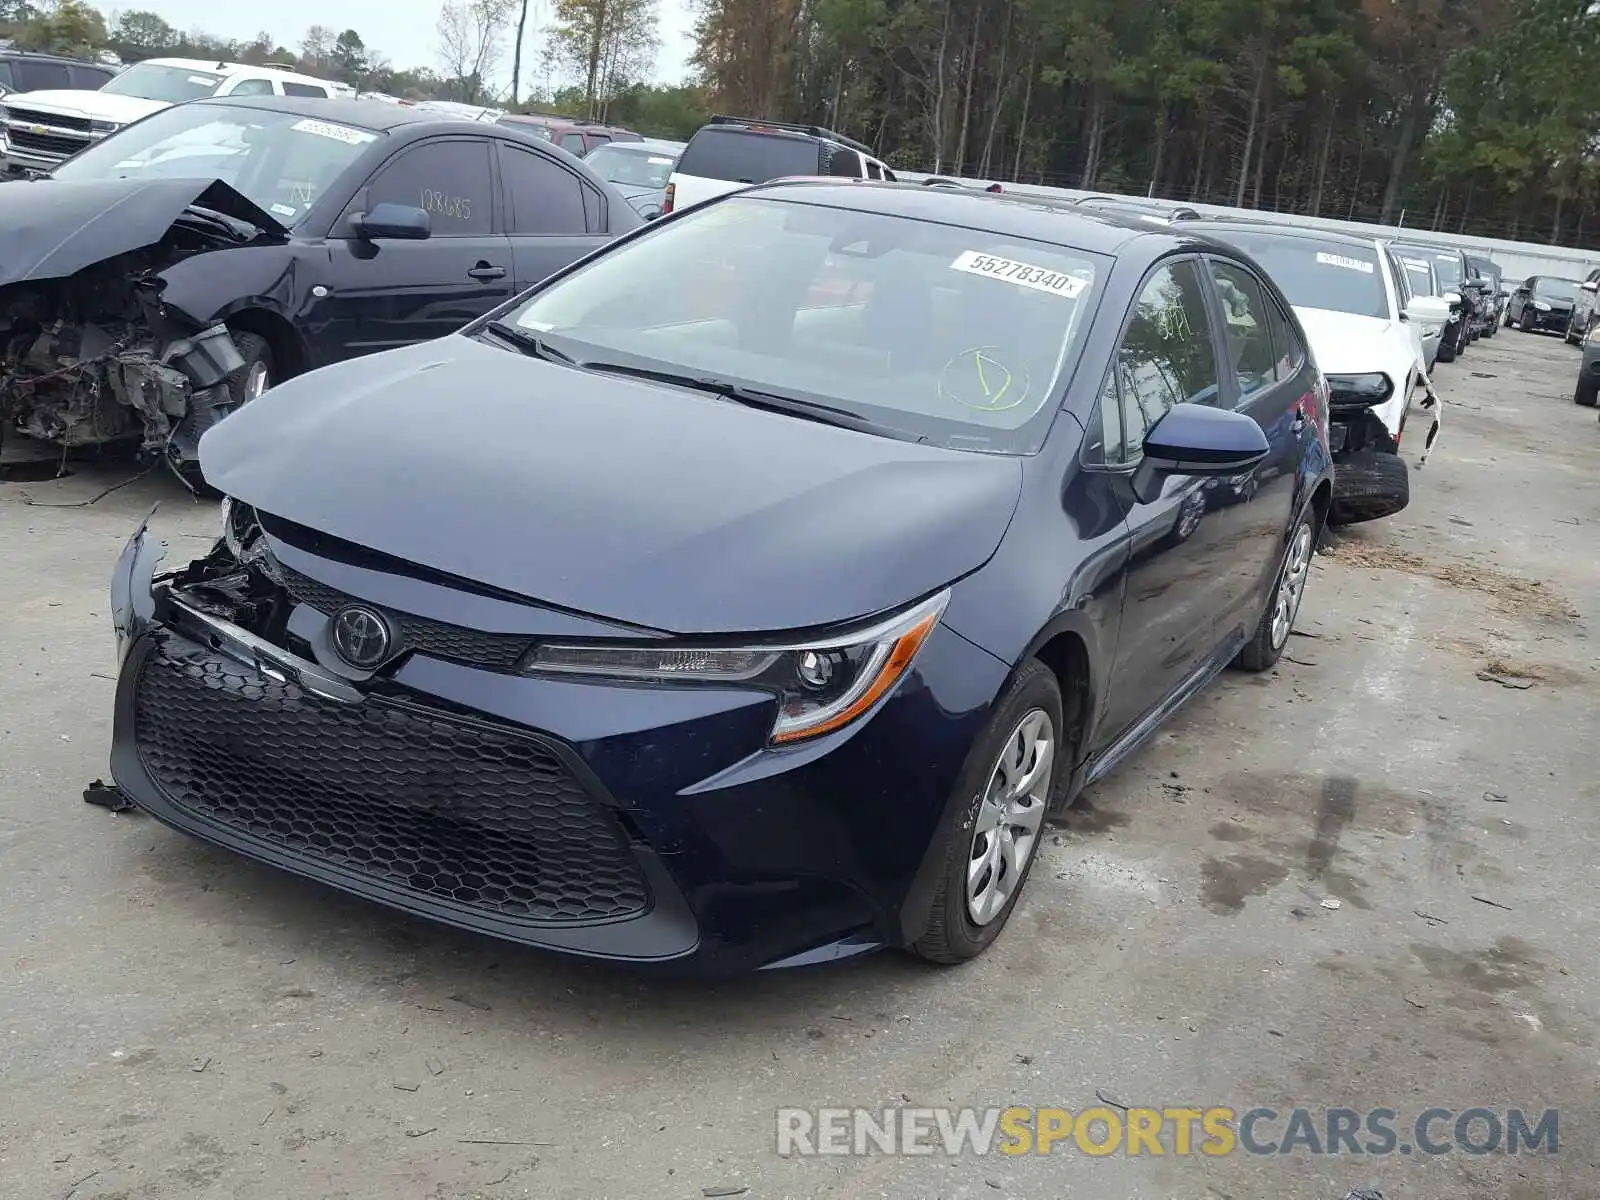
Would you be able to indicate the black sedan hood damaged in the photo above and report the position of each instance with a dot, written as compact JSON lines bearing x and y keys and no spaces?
{"x":625,"y":500}
{"x":51,"y":228}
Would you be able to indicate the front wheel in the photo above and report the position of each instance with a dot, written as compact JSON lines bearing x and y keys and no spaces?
{"x":1264,"y":649}
{"x":1009,"y":780}
{"x":1587,"y":393}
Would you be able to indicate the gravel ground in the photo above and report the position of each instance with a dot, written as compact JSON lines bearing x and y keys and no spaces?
{"x":1367,"y":879}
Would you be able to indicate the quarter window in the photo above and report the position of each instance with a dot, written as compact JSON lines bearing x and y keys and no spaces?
{"x":1247,"y":325}
{"x":304,"y":89}
{"x":572,"y":143}
{"x":450,"y":181}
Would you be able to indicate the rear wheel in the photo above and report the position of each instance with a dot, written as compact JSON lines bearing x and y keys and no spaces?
{"x":1587,"y":392}
{"x":1009,"y":779}
{"x":1264,"y":649}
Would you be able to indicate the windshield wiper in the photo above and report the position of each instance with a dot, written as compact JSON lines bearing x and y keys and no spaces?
{"x":809,"y":410}
{"x":528,"y":342}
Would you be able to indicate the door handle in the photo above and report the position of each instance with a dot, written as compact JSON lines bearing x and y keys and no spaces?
{"x":484,"y":271}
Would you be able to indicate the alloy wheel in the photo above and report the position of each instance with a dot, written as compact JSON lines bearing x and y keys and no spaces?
{"x":1006,"y":831}
{"x":1292,"y":585}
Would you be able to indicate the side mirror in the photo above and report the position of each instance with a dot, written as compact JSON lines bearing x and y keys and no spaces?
{"x":1590,"y":285}
{"x":1451,"y":298}
{"x":1427,"y":310}
{"x":1192,"y":439}
{"x":650,"y":212}
{"x":401,"y":222}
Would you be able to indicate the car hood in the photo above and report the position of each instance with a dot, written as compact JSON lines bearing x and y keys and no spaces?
{"x":1346,"y":344}
{"x":53,"y":228}
{"x":98,"y":106}
{"x":636,"y":502}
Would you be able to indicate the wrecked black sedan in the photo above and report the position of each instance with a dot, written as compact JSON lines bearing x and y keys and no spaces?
{"x":174,"y":271}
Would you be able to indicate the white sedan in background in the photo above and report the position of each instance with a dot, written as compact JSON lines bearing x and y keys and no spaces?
{"x":1367,"y":331}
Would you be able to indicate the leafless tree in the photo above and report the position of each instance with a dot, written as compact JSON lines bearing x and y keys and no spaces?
{"x":470,"y":33}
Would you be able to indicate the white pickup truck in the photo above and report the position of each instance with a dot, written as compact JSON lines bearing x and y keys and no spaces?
{"x":40,"y":130}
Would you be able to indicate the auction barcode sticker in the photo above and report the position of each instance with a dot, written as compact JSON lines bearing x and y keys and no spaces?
{"x":1040,"y":279}
{"x":1349,"y":264}
{"x":339,"y":133}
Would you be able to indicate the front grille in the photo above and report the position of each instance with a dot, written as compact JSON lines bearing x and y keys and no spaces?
{"x":464,"y":815}
{"x":45,"y":143}
{"x":492,"y":651}
{"x":32,"y":116}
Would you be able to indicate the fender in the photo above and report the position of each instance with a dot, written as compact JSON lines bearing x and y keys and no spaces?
{"x":207,"y":288}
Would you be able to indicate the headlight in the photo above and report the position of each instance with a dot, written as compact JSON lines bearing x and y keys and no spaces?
{"x":821,"y":686}
{"x":1360,"y":391}
{"x":104,"y":127}
{"x":1541,"y":306}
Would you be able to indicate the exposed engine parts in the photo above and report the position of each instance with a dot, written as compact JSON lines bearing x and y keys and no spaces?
{"x":97,"y":358}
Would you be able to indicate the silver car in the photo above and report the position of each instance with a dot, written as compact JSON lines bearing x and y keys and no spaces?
{"x":639,"y":170}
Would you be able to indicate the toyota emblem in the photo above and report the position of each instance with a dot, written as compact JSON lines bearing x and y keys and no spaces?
{"x":361,"y":636}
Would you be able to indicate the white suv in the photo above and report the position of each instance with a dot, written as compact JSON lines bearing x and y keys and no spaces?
{"x":731,"y":153}
{"x":42,"y":129}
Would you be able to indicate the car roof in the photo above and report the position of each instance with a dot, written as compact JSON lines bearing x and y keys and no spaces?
{"x":214,"y":66}
{"x":373,"y":115}
{"x":1246,"y":225}
{"x":650,"y":146}
{"x":1037,"y":218}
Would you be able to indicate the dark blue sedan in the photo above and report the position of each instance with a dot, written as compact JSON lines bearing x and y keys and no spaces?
{"x":746,"y":595}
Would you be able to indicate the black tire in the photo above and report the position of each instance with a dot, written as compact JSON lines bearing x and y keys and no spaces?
{"x":951,"y":935}
{"x":1266,"y":646}
{"x":1566,"y":334}
{"x":1491,"y":326}
{"x":1368,"y":486}
{"x":1447,"y":346}
{"x":1587,"y":393}
{"x":256,"y":353}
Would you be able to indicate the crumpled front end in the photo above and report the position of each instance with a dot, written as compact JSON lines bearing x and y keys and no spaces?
{"x":96,"y":358}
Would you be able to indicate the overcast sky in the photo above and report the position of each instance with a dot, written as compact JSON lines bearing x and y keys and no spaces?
{"x":404,"y":33}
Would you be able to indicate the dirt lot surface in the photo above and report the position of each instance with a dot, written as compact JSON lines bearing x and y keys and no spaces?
{"x":1366,"y":880}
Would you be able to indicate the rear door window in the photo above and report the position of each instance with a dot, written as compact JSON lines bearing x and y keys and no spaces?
{"x":304,"y":89}
{"x":543,"y":197}
{"x":572,"y":143}
{"x":743,"y":156}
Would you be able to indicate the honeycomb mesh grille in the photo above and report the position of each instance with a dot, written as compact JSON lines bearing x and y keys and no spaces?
{"x":492,"y":651}
{"x":420,"y":804}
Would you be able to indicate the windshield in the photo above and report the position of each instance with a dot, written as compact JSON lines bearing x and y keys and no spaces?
{"x":947,"y":334}
{"x":1337,"y":276}
{"x":281,"y":161}
{"x":632,"y":167}
{"x":175,"y":85}
{"x":1555,"y":289}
